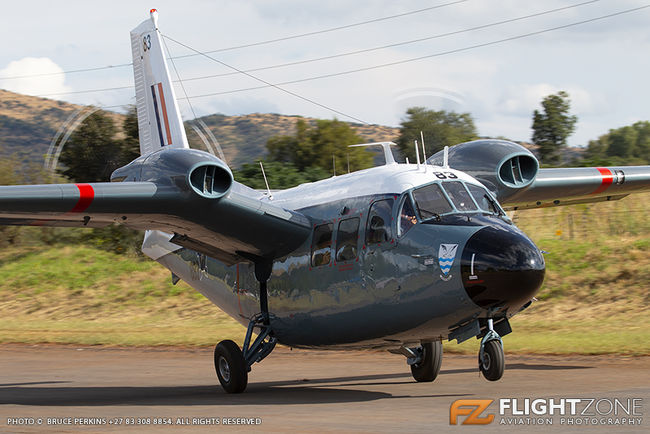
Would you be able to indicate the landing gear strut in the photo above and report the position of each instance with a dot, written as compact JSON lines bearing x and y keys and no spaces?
{"x":231,"y":363}
{"x":491,"y":360}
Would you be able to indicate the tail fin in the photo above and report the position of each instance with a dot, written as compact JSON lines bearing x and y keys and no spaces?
{"x":159,"y":119}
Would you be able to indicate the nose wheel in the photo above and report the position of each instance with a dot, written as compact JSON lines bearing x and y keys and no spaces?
{"x":491,"y":360}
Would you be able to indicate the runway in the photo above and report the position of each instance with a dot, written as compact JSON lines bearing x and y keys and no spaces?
{"x":89,"y":389}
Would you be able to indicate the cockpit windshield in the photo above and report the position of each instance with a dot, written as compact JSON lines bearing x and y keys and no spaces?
{"x":440,"y":198}
{"x":484,"y":200}
{"x":431,"y":201}
{"x":459,"y":196}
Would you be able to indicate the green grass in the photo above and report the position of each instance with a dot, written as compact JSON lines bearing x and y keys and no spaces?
{"x":594,"y":300}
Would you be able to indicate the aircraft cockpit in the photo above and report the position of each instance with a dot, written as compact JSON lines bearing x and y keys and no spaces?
{"x":446,"y":202}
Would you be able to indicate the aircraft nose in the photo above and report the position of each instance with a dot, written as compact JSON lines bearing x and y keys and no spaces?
{"x":501,"y":267}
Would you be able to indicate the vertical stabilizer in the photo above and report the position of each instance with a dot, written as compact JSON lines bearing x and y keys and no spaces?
{"x":159,"y":119}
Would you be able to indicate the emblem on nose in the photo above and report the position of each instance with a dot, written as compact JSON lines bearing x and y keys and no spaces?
{"x":446,"y":257}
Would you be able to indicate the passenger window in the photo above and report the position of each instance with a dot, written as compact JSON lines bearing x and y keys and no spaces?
{"x":407,"y":217}
{"x":459,"y":196}
{"x":431,"y":201}
{"x":379,"y":222}
{"x":321,"y":249}
{"x":483,"y":199}
{"x":346,"y":239}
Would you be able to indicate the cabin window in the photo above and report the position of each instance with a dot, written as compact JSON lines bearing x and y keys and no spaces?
{"x":346,"y":239}
{"x":431,"y":201}
{"x":321,"y":249}
{"x":379,"y":222}
{"x":483,"y":199}
{"x":459,"y":196}
{"x":407,"y":217}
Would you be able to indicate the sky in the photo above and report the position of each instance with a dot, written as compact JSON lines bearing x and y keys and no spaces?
{"x":604,"y":65}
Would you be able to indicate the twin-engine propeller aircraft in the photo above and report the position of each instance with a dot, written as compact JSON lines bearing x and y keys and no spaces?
{"x":399,"y":256}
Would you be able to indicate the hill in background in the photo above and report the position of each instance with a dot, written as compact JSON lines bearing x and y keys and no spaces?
{"x":28,"y":124}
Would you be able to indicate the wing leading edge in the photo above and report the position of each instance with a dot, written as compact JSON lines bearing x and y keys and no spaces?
{"x":232,"y":228}
{"x":567,"y":186}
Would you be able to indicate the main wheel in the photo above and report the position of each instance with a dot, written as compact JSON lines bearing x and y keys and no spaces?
{"x":493,"y":361}
{"x":429,"y":367}
{"x":231,"y":367}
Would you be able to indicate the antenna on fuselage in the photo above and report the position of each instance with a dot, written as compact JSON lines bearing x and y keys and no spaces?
{"x":424,"y":152}
{"x":417,"y":153}
{"x":268,"y":190}
{"x":445,"y":158}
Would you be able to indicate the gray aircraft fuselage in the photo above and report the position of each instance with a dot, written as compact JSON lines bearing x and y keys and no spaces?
{"x":389,"y":292}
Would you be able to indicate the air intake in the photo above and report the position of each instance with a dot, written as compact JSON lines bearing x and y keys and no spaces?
{"x":210,"y":180}
{"x":518,"y":171}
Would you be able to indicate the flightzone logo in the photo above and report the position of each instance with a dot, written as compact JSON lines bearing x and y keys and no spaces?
{"x":548,"y":411}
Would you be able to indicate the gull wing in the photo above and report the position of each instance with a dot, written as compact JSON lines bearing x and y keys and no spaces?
{"x":237,"y":226}
{"x":567,"y":186}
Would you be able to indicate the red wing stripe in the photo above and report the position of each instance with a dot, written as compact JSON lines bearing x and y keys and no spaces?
{"x":164,"y":113}
{"x":86,"y":196}
{"x":608,"y":179}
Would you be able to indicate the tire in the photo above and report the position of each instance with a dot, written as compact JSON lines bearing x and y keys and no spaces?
{"x":429,"y":367}
{"x":493,"y":362}
{"x":231,"y":367}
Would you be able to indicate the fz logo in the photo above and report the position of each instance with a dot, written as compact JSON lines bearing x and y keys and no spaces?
{"x":472,"y":408}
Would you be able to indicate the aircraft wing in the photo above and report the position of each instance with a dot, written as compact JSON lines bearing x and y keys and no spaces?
{"x":233,"y":227}
{"x":567,"y":186}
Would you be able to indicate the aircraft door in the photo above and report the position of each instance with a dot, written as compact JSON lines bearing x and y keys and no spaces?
{"x":379,"y":240}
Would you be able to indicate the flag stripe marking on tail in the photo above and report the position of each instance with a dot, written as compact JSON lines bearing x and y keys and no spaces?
{"x":164,"y":113}
{"x":155,"y":109}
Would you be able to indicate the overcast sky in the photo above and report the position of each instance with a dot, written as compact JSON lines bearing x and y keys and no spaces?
{"x":603,"y":65}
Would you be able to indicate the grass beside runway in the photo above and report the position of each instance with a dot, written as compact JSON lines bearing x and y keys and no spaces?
{"x":594,"y":301}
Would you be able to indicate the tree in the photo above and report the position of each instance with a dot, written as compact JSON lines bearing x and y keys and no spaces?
{"x":552,"y":127}
{"x":440,"y":129}
{"x":317,"y":146}
{"x":94,"y":151}
{"x":279,"y":175}
{"x":131,"y":141}
{"x":620,"y":146}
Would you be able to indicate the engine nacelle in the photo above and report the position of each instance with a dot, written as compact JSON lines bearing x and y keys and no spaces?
{"x":189,"y":170}
{"x":503,"y":167}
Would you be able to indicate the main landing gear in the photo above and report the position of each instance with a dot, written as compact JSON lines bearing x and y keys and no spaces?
{"x":491,"y":360}
{"x":424,"y":360}
{"x":231,"y":363}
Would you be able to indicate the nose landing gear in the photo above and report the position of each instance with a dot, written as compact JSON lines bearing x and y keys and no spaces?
{"x":491,"y":360}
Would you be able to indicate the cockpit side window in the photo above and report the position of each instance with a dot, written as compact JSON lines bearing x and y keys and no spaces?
{"x":459,"y":196}
{"x":321,"y":249}
{"x":379,"y":222}
{"x":431,"y":201}
{"x":483,"y":199}
{"x":407,"y":217}
{"x":346,"y":239}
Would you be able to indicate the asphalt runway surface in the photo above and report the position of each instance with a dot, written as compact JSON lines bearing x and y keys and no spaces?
{"x":89,"y":389}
